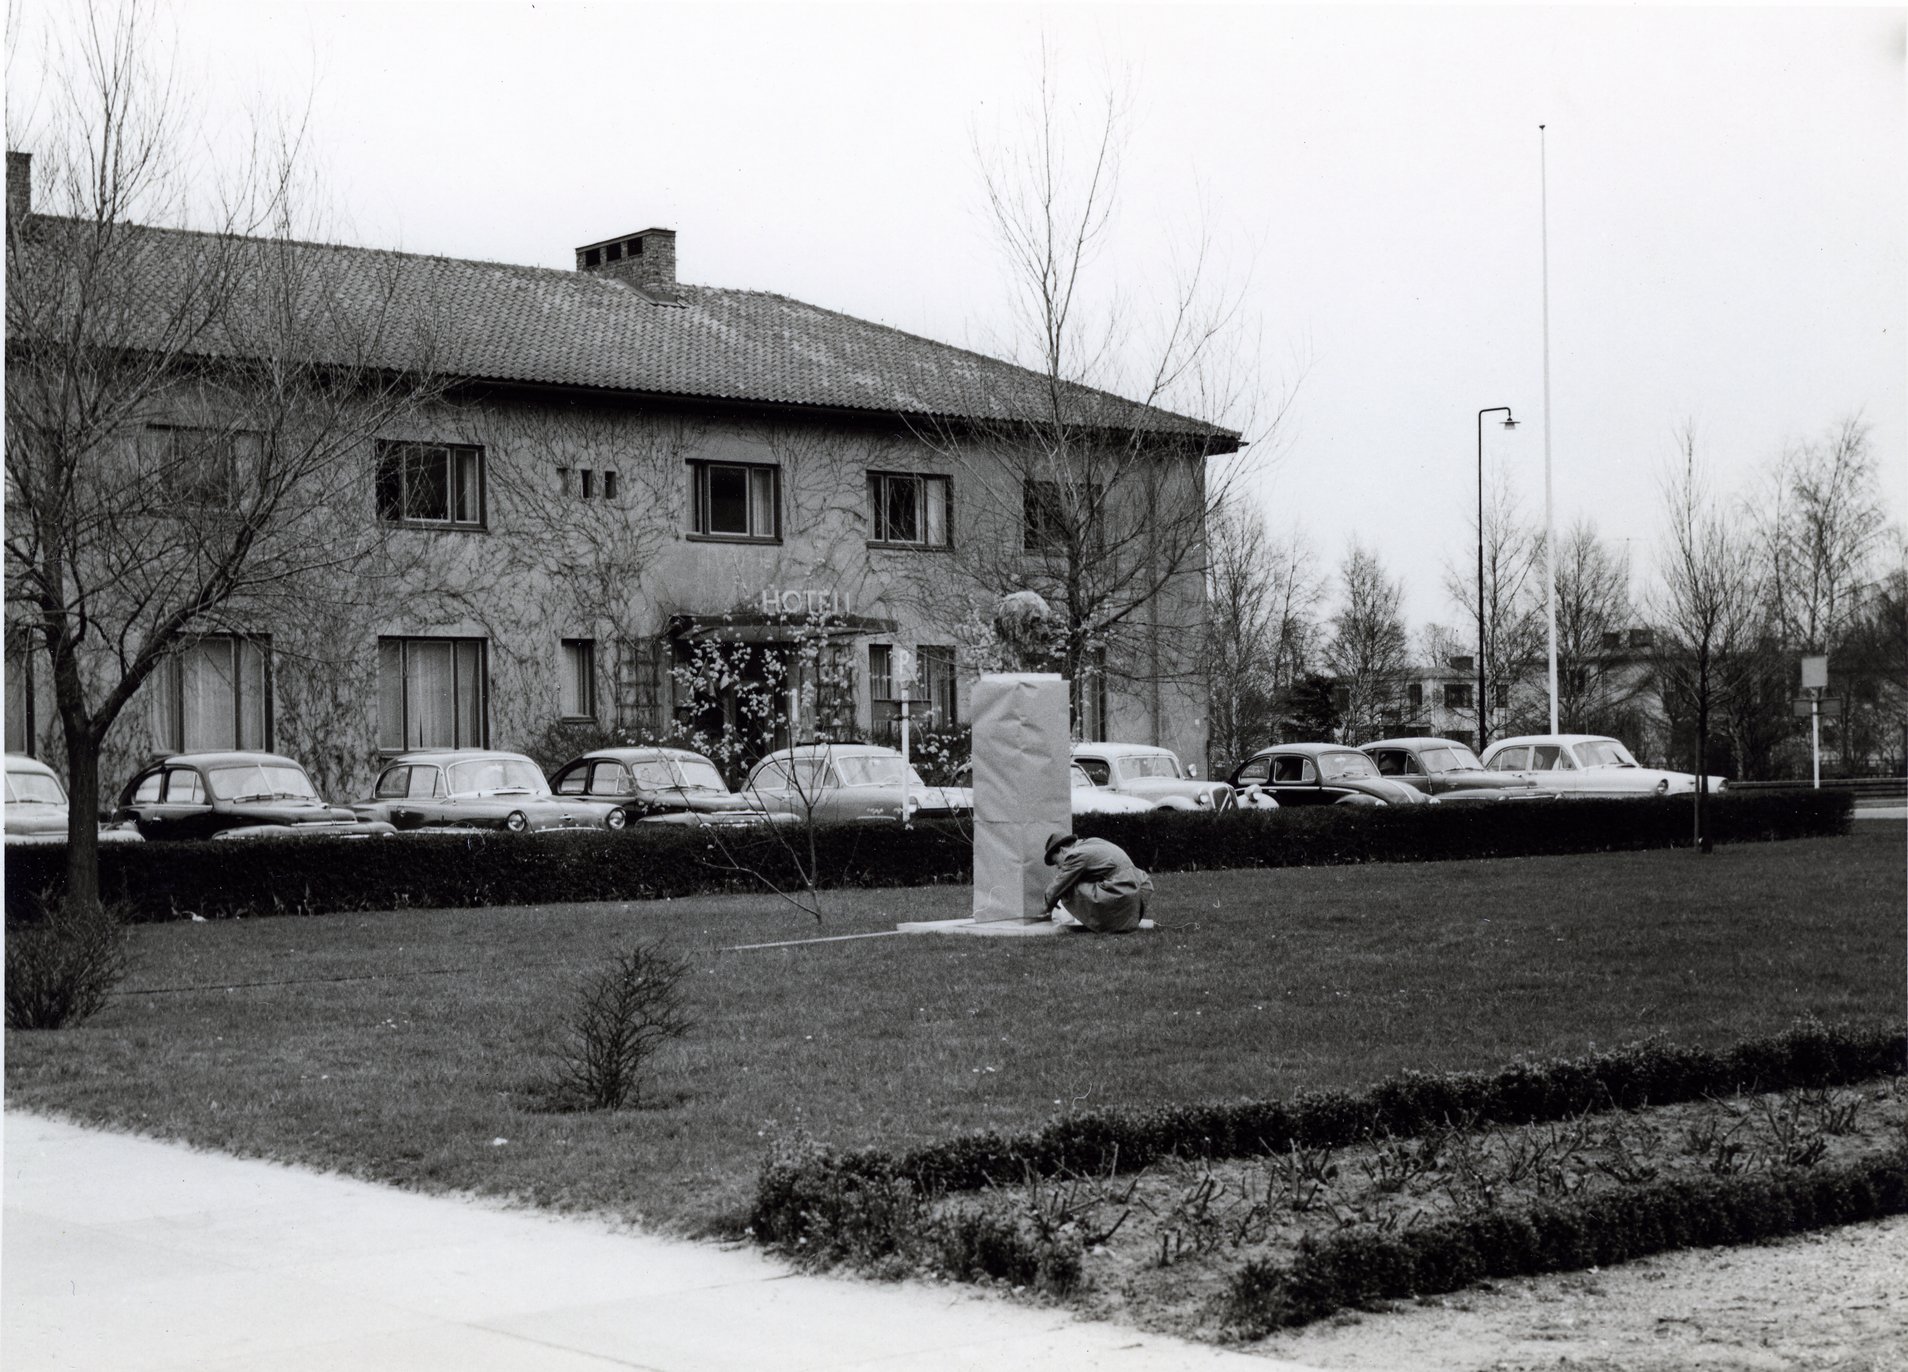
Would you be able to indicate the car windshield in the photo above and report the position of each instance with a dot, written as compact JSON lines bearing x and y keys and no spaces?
{"x":698,"y":774}
{"x":261,"y":781}
{"x":1338,"y":766}
{"x":873,"y":769}
{"x":33,"y":788}
{"x":497,"y":776}
{"x":1454,"y":758}
{"x":1604,"y":752}
{"x":1149,"y":765}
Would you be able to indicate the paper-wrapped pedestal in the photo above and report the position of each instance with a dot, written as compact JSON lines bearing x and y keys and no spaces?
{"x":1023,"y":789}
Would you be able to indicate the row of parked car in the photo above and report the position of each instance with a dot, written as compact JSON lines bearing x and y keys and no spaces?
{"x":242,"y":794}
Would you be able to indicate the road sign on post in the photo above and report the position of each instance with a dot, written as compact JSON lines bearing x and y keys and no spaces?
{"x":1815,"y":673}
{"x":1814,"y":683}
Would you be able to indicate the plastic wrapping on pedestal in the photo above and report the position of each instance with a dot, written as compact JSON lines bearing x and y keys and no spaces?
{"x":1022,"y":789}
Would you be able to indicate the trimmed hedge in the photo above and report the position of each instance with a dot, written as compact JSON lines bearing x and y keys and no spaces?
{"x":794,"y":1203}
{"x":163,"y":881}
{"x":1618,"y":1226}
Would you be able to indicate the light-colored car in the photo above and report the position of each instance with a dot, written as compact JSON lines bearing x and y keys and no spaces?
{"x":469,"y":788}
{"x":656,"y":785}
{"x":1154,"y":775}
{"x":842,"y":782}
{"x":1445,"y":768}
{"x":1586,"y":765}
{"x":36,"y":802}
{"x":1089,"y":799}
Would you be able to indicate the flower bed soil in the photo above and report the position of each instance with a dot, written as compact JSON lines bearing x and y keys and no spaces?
{"x":1164,"y":1246}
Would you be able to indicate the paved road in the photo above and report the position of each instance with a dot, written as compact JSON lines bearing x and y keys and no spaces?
{"x":137,"y":1256}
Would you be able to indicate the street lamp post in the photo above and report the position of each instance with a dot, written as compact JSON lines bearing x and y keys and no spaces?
{"x":1483,"y":706}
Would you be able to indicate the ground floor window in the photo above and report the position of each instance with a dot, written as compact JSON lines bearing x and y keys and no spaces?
{"x":578,"y":687}
{"x":431,"y":693}
{"x":1089,"y":699}
{"x":932,"y":695}
{"x":213,"y":693}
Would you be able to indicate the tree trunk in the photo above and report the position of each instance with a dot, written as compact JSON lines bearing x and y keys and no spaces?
{"x":1702,"y":768}
{"x":82,"y":820}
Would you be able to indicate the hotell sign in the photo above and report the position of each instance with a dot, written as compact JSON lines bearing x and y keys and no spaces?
{"x":805,"y":602}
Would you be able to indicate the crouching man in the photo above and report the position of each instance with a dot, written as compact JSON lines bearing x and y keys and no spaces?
{"x":1098,"y":884}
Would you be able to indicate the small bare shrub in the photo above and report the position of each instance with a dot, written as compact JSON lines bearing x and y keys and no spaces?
{"x":622,"y":1015}
{"x":60,"y":970}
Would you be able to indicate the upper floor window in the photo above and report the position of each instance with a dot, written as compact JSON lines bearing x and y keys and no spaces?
{"x":19,"y":699}
{"x":909,"y":509}
{"x":204,"y":469}
{"x":1045,"y":521}
{"x":1457,"y":696}
{"x":431,"y":483}
{"x":733,"y":500}
{"x":589,"y":482}
{"x":214,"y":692}
{"x":1414,"y":695}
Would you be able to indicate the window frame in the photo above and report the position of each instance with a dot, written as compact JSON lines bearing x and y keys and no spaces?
{"x":391,"y":455}
{"x":879,"y":536}
{"x":585,"y":678}
{"x":166,"y":468}
{"x":404,"y":644}
{"x":1031,"y":504}
{"x":1460,"y":695}
{"x":170,"y":737}
{"x":699,"y":504}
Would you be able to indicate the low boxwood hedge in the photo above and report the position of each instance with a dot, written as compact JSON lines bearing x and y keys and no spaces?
{"x":794,"y":1201}
{"x":1357,"y":1269}
{"x":318,"y":875}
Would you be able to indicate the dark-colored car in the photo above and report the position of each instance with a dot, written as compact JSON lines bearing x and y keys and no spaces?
{"x":657,"y":786}
{"x":1444,"y":768}
{"x":473,"y":788}
{"x":231,"y":795}
{"x":1319,"y":774}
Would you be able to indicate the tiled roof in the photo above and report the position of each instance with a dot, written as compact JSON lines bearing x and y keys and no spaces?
{"x":539,"y":325}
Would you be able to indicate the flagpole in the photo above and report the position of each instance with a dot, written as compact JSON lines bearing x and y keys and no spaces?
{"x":1550,"y":535}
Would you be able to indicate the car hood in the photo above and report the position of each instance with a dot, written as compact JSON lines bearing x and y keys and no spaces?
{"x":1383,"y":788}
{"x":288,"y":812}
{"x":1102,"y":802}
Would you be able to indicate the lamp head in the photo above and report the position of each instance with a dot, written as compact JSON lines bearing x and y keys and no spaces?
{"x":1509,"y":423}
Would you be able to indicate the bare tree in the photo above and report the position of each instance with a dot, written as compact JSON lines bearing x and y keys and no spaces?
{"x":1822,"y":529}
{"x":1513,"y":611}
{"x":1262,"y":596}
{"x":1091,"y":473}
{"x":1706,"y":607}
{"x":187,"y":413}
{"x":1368,"y":648}
{"x":1593,"y":611}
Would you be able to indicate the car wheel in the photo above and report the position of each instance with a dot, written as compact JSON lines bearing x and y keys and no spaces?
{"x":616,"y":819}
{"x":516,"y":821}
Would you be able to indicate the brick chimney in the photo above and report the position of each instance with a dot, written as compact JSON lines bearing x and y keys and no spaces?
{"x":19,"y":184}
{"x":646,"y":259}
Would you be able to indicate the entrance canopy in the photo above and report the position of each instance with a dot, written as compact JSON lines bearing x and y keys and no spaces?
{"x":757,"y":626}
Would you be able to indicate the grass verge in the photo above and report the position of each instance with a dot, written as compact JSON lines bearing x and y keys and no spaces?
{"x":405,"y":1047}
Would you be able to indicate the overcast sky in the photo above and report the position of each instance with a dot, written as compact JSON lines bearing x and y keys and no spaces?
{"x":1726,"y":204}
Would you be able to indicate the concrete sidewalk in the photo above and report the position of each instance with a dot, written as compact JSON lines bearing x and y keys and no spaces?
{"x":134,"y":1255}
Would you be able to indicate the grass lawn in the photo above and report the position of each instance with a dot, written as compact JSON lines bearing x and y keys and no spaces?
{"x":406,"y":1047}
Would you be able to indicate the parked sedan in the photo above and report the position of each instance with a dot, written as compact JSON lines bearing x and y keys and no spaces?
{"x":1154,"y":775}
{"x":1586,"y":765}
{"x":849,"y":781}
{"x":1444,"y":768}
{"x":1089,"y":799}
{"x":232,"y":795}
{"x":1319,"y":774}
{"x":36,"y":802}
{"x":470,"y":788}
{"x":656,"y":786}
